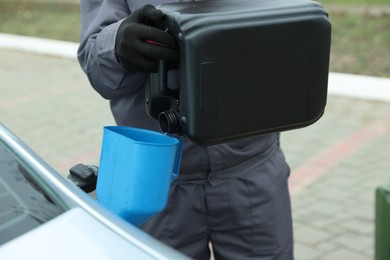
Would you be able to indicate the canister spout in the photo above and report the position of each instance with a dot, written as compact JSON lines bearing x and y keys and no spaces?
{"x":170,"y":122}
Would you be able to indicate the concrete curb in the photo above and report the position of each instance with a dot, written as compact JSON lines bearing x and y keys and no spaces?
{"x":56,"y":48}
{"x":359,"y":86}
{"x":340,"y":84}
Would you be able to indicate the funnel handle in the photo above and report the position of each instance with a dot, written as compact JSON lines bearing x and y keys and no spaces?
{"x":176,"y":167}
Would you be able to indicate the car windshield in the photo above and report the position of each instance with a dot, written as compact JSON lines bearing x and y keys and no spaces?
{"x":24,"y":205}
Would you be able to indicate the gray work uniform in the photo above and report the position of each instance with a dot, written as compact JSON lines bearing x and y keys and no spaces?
{"x":233,"y":194}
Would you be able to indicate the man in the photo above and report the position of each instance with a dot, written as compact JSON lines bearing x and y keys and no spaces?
{"x":233,"y":195}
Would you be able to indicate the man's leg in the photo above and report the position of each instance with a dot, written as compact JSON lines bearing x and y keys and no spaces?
{"x":183,"y":223}
{"x":252,"y":213}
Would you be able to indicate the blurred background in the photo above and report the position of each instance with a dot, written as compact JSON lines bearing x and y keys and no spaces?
{"x":337,"y":163}
{"x":361,"y":33}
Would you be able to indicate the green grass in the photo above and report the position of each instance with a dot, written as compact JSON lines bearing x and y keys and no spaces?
{"x":360,"y":42}
{"x":49,"y":20}
{"x":361,"y":45}
{"x":355,"y":2}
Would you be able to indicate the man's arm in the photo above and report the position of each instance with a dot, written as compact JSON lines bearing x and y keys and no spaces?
{"x":100,"y":21}
{"x":114,"y":50}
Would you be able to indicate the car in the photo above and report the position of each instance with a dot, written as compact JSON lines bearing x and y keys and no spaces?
{"x":45,"y":216}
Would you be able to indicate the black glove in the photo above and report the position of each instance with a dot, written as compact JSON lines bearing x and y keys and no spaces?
{"x":139,"y":46}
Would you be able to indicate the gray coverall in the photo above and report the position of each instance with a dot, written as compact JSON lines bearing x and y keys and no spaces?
{"x":234,"y":195}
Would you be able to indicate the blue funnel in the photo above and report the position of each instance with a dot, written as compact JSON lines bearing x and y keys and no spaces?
{"x":136,"y":169}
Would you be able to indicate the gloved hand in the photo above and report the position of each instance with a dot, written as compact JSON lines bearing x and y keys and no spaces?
{"x":139,"y":46}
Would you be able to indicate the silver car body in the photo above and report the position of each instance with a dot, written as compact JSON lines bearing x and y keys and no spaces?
{"x":85,"y":230}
